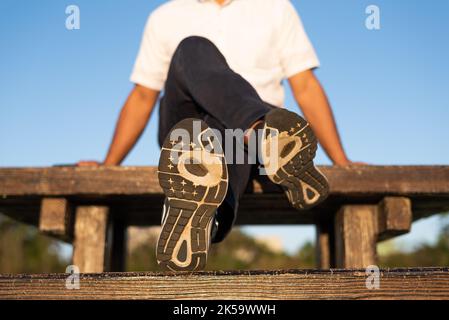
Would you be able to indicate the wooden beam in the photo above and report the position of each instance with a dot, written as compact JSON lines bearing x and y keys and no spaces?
{"x":356,"y":236}
{"x":394,"y":217}
{"x":359,"y":227}
{"x":365,"y":181}
{"x":90,"y":239}
{"x":136,"y":196}
{"x":55,"y":218}
{"x":422,"y":283}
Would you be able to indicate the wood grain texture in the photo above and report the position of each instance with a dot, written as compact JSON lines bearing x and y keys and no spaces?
{"x":360,"y":180}
{"x":423,"y":283}
{"x":55,"y":218}
{"x":136,"y":196}
{"x":356,"y":236}
{"x":90,"y":239}
{"x":394,"y":217}
{"x":358,"y":228}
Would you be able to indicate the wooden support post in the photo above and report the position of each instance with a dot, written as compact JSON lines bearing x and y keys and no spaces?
{"x":325,"y":245}
{"x":358,"y":228}
{"x":394,"y":217}
{"x":118,"y":240}
{"x":90,"y":239}
{"x":55,"y":218}
{"x":356,"y":236}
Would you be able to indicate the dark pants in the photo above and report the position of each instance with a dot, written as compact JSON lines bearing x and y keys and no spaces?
{"x":201,"y":85}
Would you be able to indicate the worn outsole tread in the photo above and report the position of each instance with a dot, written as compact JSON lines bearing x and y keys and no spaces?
{"x":303,"y":183}
{"x":191,"y":198}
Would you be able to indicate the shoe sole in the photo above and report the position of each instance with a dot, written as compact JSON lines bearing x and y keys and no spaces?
{"x":303,"y":183}
{"x":193,"y":193}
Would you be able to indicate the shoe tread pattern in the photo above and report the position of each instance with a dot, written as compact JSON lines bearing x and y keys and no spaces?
{"x":299,"y":176}
{"x":190,"y":205}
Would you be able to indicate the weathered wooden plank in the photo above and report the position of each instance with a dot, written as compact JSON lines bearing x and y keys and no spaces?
{"x":79,"y":181}
{"x":359,"y":180}
{"x":135,"y":194}
{"x":394,"y":217}
{"x":55,"y":218}
{"x":356,"y":236}
{"x":90,"y":239}
{"x":423,"y":283}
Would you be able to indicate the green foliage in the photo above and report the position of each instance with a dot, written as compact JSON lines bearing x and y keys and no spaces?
{"x":24,"y":250}
{"x":143,"y":258}
{"x":237,"y":252}
{"x":240,"y":251}
{"x":425,"y":255}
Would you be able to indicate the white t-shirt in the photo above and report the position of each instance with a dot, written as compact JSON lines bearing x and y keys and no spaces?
{"x":262,"y":40}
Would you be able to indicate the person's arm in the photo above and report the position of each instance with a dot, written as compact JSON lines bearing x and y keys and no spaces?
{"x":313,"y":102}
{"x":132,"y":121}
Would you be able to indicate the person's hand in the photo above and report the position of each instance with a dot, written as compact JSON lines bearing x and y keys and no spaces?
{"x":357,"y":163}
{"x":88,"y":163}
{"x":344,"y":161}
{"x":349,"y":163}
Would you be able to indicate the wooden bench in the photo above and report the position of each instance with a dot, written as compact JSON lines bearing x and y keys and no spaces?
{"x":92,"y":207}
{"x":418,"y":283}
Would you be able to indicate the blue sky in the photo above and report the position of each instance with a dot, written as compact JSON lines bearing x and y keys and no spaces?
{"x":61,"y":91}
